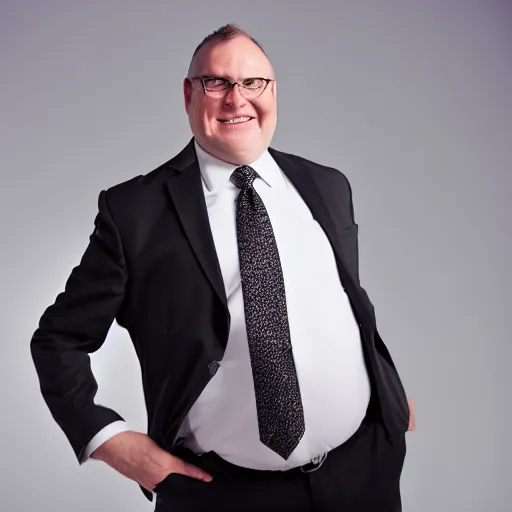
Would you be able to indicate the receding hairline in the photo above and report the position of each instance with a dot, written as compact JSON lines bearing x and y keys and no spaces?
{"x":223,"y":34}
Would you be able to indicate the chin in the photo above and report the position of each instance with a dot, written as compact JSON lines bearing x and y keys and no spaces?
{"x":246,"y":149}
{"x":243,"y":156}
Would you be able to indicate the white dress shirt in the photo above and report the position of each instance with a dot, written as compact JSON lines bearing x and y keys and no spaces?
{"x":325,"y":336}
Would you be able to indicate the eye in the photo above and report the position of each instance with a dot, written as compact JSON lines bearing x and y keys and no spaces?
{"x":253,"y":83}
{"x":214,"y":84}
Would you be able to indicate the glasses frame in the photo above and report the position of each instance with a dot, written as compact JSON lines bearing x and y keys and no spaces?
{"x":230,"y":84}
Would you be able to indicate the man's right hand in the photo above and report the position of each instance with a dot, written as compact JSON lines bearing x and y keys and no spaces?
{"x":138,"y":457}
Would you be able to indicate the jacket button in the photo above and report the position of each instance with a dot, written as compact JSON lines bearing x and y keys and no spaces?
{"x":213,"y":367}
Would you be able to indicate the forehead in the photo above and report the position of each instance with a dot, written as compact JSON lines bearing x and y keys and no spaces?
{"x":235,"y":58}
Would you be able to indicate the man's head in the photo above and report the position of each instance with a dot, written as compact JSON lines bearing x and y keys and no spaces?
{"x":215,"y":108}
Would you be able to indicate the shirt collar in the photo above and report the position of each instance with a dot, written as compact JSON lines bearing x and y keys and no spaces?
{"x":216,"y":173}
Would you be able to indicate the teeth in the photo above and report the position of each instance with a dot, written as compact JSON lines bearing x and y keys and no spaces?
{"x":237,"y":120}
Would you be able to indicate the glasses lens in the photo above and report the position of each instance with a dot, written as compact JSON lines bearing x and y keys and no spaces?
{"x":253,"y":87}
{"x":215,"y":84}
{"x":253,"y":84}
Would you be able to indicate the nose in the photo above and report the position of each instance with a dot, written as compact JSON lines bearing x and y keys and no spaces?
{"x":234,"y":98}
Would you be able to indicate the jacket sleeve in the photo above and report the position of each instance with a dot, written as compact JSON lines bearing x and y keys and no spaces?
{"x":75,"y":326}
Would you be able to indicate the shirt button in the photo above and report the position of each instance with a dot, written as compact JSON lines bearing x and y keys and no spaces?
{"x":213,"y":367}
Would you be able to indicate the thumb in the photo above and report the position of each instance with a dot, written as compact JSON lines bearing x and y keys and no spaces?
{"x":195,"y":472}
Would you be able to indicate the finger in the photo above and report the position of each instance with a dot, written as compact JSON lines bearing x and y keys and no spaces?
{"x":195,"y":472}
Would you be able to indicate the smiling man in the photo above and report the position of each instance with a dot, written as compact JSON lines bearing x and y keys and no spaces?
{"x":234,"y":268}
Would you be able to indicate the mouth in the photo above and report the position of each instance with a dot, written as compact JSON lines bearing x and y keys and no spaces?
{"x":236,"y":120}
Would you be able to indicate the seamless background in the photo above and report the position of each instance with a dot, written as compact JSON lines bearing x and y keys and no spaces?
{"x":411,"y":99}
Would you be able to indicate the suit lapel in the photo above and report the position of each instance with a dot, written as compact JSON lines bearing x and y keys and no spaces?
{"x":186,"y":192}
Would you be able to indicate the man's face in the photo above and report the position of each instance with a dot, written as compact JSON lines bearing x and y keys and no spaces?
{"x":236,"y":143}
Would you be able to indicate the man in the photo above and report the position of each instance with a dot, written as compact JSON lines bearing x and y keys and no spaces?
{"x":234,"y":268}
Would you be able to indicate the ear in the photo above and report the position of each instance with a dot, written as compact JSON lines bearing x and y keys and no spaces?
{"x":187,"y":93}
{"x":274,"y":89}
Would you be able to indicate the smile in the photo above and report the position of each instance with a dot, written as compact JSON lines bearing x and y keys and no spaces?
{"x":236,"y":120}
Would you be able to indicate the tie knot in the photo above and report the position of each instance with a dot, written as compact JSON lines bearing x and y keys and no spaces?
{"x":243,"y":176}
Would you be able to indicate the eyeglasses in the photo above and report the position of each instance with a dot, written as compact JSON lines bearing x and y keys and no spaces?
{"x":216,"y":87}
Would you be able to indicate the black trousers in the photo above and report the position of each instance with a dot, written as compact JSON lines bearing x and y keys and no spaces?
{"x":362,"y":475}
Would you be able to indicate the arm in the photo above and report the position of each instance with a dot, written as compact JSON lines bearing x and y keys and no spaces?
{"x":75,"y":326}
{"x":72,"y":328}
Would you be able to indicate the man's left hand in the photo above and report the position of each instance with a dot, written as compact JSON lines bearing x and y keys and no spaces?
{"x":412,"y":419}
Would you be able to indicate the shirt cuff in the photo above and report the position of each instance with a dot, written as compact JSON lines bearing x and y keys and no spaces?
{"x":103,"y":435}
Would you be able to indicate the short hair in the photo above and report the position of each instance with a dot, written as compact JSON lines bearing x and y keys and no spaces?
{"x":225,"y":33}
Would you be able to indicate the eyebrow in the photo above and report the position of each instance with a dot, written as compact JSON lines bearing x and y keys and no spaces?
{"x":230,"y":77}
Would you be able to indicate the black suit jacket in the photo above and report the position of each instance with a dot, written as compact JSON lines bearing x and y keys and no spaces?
{"x":151,"y":265}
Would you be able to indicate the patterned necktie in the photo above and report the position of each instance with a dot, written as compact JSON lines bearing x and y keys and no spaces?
{"x":278,"y":401}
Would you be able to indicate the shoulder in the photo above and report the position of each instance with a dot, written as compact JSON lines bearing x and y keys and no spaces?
{"x":148,"y":190}
{"x":326,"y":177}
{"x":139,"y":190}
{"x":134,"y":204}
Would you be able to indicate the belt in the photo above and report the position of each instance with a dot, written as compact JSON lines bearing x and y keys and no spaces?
{"x":213,"y":460}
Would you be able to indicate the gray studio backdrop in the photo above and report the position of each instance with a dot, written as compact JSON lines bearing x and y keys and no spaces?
{"x":410,"y":99}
